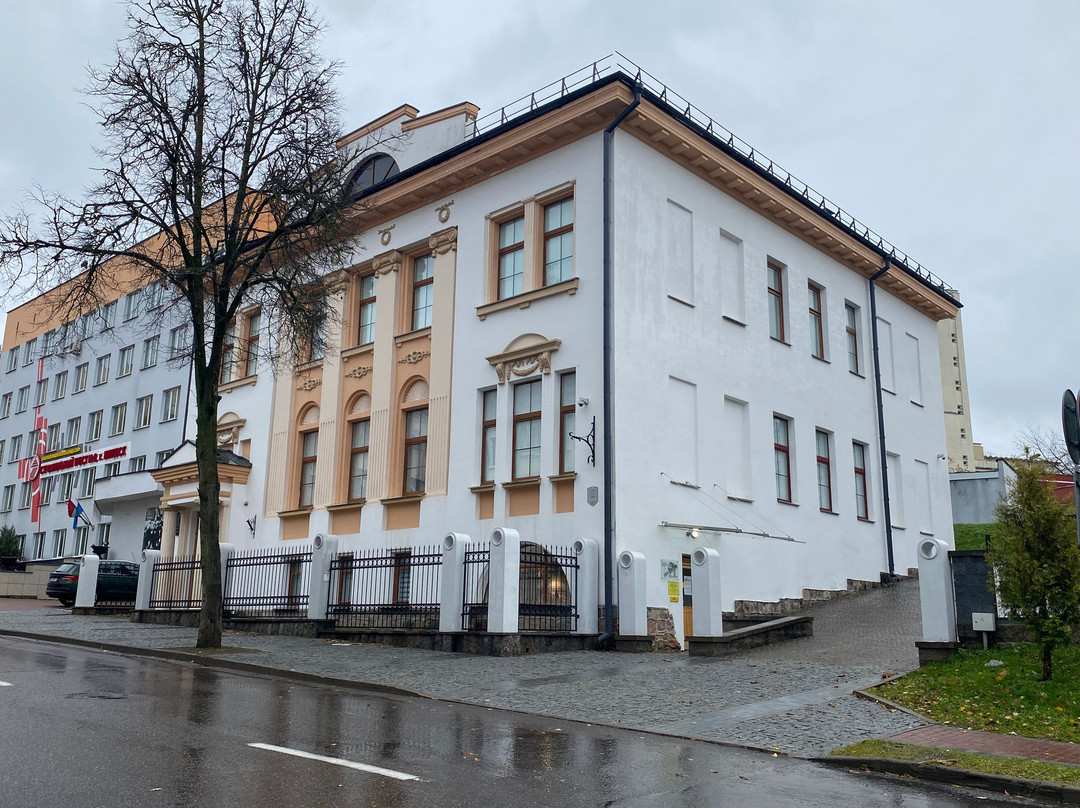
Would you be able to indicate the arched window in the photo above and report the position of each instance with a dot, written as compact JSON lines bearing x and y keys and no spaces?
{"x":372,"y":171}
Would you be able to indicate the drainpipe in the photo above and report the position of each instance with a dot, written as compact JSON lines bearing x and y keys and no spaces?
{"x":881,"y":418}
{"x":605,"y":639}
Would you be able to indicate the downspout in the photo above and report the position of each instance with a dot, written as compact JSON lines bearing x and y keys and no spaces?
{"x":608,"y":636}
{"x":881,"y":418}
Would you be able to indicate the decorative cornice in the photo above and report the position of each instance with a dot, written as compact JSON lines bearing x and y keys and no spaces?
{"x":414,"y":357}
{"x":309,"y":385}
{"x":387,"y":262}
{"x":443,"y":211}
{"x":358,"y":372}
{"x":444,"y":241}
{"x":524,"y":356}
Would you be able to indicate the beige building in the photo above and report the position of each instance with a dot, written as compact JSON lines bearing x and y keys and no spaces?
{"x":964,"y":453}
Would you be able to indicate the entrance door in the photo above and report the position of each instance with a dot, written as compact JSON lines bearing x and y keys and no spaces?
{"x":687,"y":599}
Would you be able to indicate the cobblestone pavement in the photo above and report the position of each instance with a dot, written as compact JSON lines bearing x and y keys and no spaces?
{"x":794,"y":697}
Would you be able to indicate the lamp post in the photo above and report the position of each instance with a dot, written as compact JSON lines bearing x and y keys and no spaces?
{"x":1070,"y":424}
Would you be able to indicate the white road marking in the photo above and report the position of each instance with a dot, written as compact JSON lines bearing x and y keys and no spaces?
{"x":6,"y":684}
{"x":364,"y":767}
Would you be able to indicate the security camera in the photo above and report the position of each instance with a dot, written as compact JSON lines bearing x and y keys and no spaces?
{"x":581,"y":402}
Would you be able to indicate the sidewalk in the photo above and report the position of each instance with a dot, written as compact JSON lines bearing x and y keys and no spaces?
{"x":970,"y":740}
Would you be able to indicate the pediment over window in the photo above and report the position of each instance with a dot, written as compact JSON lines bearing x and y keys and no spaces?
{"x":524,"y":356}
{"x":228,"y":428}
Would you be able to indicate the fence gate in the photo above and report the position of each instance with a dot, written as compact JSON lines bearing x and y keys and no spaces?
{"x":474,"y":605}
{"x":386,"y":589}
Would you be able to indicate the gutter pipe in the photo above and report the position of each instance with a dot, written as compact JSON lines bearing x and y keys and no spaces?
{"x":881,"y":418}
{"x":606,"y":639}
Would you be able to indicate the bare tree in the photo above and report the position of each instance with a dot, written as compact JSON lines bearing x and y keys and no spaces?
{"x":221,"y":181}
{"x":1048,"y":446}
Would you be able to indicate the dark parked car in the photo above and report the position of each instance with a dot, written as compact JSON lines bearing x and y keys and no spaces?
{"x":117,"y":580}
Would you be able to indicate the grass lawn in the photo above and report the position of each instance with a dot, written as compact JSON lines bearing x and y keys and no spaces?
{"x":969,"y":761}
{"x":1008,"y":698}
{"x":972,"y":536}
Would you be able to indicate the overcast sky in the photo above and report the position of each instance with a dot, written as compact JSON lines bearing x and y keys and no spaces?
{"x":951,"y":128}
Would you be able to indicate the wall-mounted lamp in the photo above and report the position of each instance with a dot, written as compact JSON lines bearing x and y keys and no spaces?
{"x":693,"y":533}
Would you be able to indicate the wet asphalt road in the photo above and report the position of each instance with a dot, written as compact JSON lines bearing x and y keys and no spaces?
{"x":85,"y":728}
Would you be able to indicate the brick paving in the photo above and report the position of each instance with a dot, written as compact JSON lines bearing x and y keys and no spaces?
{"x":970,"y":740}
{"x":794,"y":697}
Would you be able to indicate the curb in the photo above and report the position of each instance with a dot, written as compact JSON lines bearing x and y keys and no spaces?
{"x":1002,"y":784}
{"x":215,"y":662}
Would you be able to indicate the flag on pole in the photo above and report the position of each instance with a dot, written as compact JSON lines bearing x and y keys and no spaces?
{"x":75,"y":511}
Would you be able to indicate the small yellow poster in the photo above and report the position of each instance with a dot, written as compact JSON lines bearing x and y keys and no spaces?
{"x":673,"y":591}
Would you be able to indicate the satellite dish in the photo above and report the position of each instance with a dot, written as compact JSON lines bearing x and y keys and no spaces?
{"x":1070,"y":424}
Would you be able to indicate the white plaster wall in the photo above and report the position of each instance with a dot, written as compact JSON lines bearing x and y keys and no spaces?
{"x":659,"y":338}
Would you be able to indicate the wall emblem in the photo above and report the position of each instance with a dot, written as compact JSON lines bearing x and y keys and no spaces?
{"x":384,"y":234}
{"x":443,"y":211}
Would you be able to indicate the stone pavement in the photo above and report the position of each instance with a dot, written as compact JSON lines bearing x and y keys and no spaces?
{"x":969,"y":740}
{"x":793,"y":697}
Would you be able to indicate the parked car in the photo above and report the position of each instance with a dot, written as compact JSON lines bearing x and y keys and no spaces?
{"x":117,"y":580}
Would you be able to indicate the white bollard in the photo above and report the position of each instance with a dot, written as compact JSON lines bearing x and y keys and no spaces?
{"x":588,"y":586}
{"x":323,"y":550}
{"x":452,"y":581}
{"x":146,"y":579}
{"x":503,"y":581}
{"x":936,"y":591}
{"x":708,"y":616}
{"x":633,"y":609}
{"x":86,"y":594}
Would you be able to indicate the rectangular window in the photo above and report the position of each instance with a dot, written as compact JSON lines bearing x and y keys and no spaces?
{"x":824,"y":471}
{"x":423,"y":285}
{"x":59,"y":537}
{"x":178,"y":342}
{"x":316,"y":346}
{"x":559,"y":241}
{"x":487,"y":437}
{"x":782,"y":457}
{"x":67,"y":479}
{"x":309,"y":445}
{"x":118,"y":419}
{"x":851,"y":331}
{"x":367,"y":311}
{"x":93,"y":426}
{"x":153,"y":295}
{"x":81,"y":533}
{"x":170,"y":404}
{"x":358,"y":459}
{"x":47,"y":343}
{"x":137,"y":463}
{"x":776,"y":301}
{"x":25,"y":492}
{"x":143,"y":408}
{"x":251,"y":347}
{"x":41,"y":391}
{"x":39,"y":545}
{"x":402,"y":575}
{"x":29,"y":352}
{"x":149,"y":352}
{"x":5,"y":405}
{"x":52,"y":440}
{"x":8,"y":499}
{"x":80,"y":376}
{"x":416,"y":425}
{"x":228,"y":355}
{"x":131,"y":305}
{"x":161,"y":457}
{"x":511,"y":257}
{"x":817,"y":331}
{"x":16,"y":447}
{"x":74,"y":426}
{"x":527,"y":430}
{"x":108,"y":315}
{"x":101,"y":370}
{"x":862,"y":508}
{"x":13,"y":359}
{"x":127,"y":361}
{"x":2,"y":444}
{"x":48,"y":484}
{"x":24,"y":399}
{"x":110,"y":470}
{"x":567,"y":410}
{"x":59,"y":385}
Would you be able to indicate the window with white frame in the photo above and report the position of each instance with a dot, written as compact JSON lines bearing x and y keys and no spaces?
{"x":23,"y":400}
{"x":93,"y":426}
{"x":59,"y":538}
{"x":143,"y":411}
{"x":153,"y":295}
{"x":161,"y":457}
{"x":137,"y":463}
{"x":67,"y":481}
{"x":29,"y":351}
{"x":118,"y":419}
{"x":5,"y":405}
{"x":170,"y":404}
{"x":80,"y":377}
{"x":782,"y":458}
{"x":48,"y":342}
{"x":127,"y":361}
{"x":149,"y":352}
{"x":52,"y":441}
{"x":48,"y":485}
{"x":41,"y":391}
{"x":60,"y":385}
{"x":89,"y":475}
{"x":39,"y":545}
{"x":527,"y":430}
{"x":25,"y":494}
{"x":101,"y":369}
{"x":131,"y":305}
{"x":108,"y":315}
{"x":178,"y":342}
{"x":2,"y":445}
{"x":13,"y":359}
{"x":71,"y":435}
{"x":81,"y":534}
{"x":16,"y":447}
{"x":110,"y":470}
{"x":8,"y":498}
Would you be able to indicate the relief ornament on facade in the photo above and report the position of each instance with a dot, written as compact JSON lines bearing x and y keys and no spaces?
{"x":358,"y":373}
{"x":443,"y":211}
{"x":387,"y":262}
{"x":414,"y":357}
{"x":309,"y":385}
{"x":443,"y":241}
{"x":384,"y":234}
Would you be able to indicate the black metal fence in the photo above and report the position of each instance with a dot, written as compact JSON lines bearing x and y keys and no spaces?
{"x":386,"y":589}
{"x":177,"y":583}
{"x":547,"y":589}
{"x":474,"y":601}
{"x":265,"y":581}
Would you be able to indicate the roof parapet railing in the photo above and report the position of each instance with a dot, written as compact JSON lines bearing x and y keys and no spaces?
{"x":681,"y":107}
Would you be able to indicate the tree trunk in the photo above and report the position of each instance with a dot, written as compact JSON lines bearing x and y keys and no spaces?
{"x":1047,"y":670}
{"x":206,"y":401}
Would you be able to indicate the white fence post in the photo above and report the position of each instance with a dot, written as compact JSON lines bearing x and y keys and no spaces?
{"x":588,"y":586}
{"x":452,"y":581}
{"x":323,"y":550}
{"x":504,"y":581}
{"x":146,"y":579}
{"x":708,"y":616}
{"x":86,"y":594}
{"x":936,"y":592}
{"x":633,"y":611}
